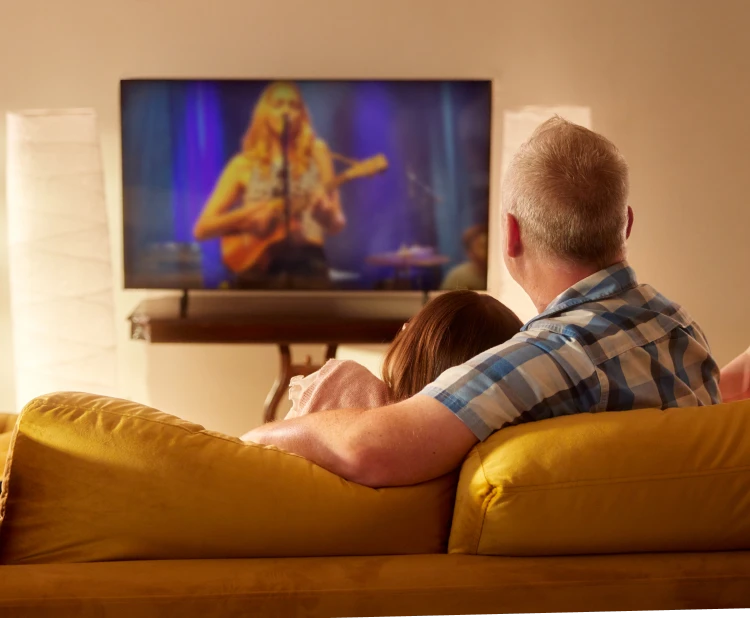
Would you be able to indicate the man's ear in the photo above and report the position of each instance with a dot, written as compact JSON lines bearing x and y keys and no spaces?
{"x":630,"y":222}
{"x":513,"y":245}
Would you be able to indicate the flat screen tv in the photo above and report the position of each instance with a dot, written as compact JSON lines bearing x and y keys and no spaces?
{"x":306,"y":184}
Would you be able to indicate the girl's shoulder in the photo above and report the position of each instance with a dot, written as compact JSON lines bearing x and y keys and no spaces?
{"x":338,"y":384}
{"x":338,"y":367}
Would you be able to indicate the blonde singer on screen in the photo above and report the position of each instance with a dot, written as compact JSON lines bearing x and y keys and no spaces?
{"x":246,"y":208}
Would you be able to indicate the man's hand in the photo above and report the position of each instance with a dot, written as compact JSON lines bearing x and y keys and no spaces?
{"x":409,"y":442}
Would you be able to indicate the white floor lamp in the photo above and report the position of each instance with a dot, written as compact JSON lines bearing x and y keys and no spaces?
{"x":61,"y":284}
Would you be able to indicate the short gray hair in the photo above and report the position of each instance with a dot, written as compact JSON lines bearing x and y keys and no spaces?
{"x":568,"y":188}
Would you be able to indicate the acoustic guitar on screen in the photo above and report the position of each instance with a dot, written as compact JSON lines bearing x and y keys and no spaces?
{"x":242,"y":251}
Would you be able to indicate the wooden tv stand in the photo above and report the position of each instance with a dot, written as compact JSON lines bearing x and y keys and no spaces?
{"x":218,"y":319}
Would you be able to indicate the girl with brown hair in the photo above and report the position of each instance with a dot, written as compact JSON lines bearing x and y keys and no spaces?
{"x":451,"y":329}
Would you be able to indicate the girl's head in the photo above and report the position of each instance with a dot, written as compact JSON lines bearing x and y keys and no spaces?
{"x":451,"y":329}
{"x":280,"y":101}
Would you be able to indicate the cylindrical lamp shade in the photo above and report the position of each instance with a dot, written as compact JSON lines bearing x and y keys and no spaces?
{"x":61,"y":286}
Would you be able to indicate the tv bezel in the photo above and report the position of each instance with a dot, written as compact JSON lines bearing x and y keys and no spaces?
{"x":269,"y":294}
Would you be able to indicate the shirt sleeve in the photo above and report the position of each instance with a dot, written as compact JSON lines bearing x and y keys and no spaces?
{"x":338,"y":384}
{"x":533,"y":376}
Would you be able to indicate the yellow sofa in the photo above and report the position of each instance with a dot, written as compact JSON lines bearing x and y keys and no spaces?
{"x":111,"y":508}
{"x":7,"y":422}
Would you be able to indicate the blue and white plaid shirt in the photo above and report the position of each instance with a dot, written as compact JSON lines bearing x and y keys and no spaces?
{"x":607,"y":343}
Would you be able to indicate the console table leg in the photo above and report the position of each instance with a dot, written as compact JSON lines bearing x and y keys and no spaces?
{"x":280,"y":385}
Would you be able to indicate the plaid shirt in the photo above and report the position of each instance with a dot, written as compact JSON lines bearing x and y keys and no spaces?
{"x":607,"y":343}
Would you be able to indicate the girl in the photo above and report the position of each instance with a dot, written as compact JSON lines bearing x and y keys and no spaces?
{"x":450,"y":329}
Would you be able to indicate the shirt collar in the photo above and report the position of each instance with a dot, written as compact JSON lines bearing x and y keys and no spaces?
{"x":603,"y":284}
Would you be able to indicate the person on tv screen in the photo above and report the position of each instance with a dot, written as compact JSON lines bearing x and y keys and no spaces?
{"x":472,"y":274}
{"x":283,"y":167}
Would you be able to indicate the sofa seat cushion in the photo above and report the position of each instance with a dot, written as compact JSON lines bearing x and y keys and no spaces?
{"x":96,"y":479}
{"x":616,"y":482}
{"x":434,"y":585}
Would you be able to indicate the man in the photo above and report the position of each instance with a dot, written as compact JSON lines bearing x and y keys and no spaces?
{"x":601,"y":341}
{"x":472,"y":274}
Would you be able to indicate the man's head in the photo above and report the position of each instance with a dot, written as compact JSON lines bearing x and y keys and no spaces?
{"x":565,"y":201}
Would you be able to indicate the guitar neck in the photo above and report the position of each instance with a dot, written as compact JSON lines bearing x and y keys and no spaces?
{"x":337,"y":181}
{"x":368,"y":167}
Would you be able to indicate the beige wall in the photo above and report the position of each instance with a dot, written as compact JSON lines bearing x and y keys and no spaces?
{"x":666,"y":80}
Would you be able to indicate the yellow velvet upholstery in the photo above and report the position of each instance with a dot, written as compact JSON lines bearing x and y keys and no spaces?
{"x":5,"y":439}
{"x":100,"y":479}
{"x":617,"y":482}
{"x":7,"y":423}
{"x":96,"y":479}
{"x":375,"y":586}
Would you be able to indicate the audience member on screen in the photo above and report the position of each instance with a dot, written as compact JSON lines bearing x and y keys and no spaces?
{"x":255,"y":244}
{"x":735,"y":378}
{"x":449,"y":330}
{"x":472,"y":274}
{"x":602,"y":341}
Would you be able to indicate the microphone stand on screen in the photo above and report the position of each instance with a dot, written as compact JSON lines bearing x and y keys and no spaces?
{"x":421,"y":195}
{"x":425,"y":189}
{"x":423,"y":198}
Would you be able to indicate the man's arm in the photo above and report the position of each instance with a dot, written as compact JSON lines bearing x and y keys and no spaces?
{"x":735,"y":379}
{"x":406,"y":443}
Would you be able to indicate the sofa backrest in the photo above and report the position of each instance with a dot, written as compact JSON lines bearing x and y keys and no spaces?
{"x":7,"y":423}
{"x":95,"y":479}
{"x":615,"y":482}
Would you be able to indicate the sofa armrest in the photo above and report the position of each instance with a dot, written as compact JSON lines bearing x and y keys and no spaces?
{"x":612,"y":482}
{"x":7,"y":423}
{"x":95,"y":479}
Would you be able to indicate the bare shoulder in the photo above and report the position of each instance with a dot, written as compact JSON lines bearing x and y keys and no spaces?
{"x":320,"y":147}
{"x":239,"y":163}
{"x":321,"y":153}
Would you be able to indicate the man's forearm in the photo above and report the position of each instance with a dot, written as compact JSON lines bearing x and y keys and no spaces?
{"x":322,"y":437}
{"x":409,"y":442}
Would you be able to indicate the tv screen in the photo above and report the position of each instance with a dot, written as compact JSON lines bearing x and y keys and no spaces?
{"x":305,"y":185}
